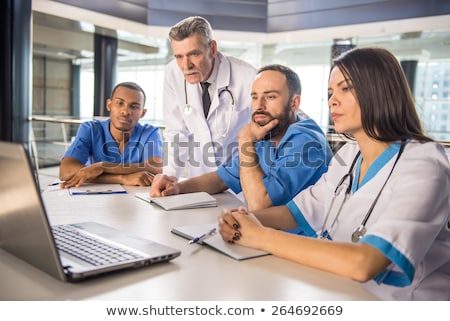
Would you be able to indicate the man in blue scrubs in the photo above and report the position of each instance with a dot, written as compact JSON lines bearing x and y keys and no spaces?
{"x":280,"y":152}
{"x":118,"y":149}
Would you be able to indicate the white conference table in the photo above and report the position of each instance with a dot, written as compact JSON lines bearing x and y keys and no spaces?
{"x":200,"y":273}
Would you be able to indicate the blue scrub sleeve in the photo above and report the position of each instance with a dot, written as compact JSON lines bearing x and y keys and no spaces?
{"x":82,"y":145}
{"x":230,"y":175}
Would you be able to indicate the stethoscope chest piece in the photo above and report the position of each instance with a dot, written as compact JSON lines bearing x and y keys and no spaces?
{"x":187,"y":109}
{"x":358,"y":233}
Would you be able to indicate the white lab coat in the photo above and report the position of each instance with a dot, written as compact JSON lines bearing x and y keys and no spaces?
{"x":408,"y":223}
{"x":197,"y":143}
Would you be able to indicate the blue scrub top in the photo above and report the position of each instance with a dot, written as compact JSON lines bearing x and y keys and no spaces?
{"x":300,"y":160}
{"x":94,"y":143}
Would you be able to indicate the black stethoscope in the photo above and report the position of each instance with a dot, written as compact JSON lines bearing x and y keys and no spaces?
{"x":188,"y":108}
{"x":360,"y":231}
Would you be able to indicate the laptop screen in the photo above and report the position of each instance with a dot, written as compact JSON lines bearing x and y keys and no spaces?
{"x":24,"y":227}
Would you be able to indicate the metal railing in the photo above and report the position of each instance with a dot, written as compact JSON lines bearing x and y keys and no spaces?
{"x":51,"y":135}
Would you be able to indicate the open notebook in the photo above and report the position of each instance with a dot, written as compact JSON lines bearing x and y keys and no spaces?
{"x":215,"y":241}
{"x":181,"y":201}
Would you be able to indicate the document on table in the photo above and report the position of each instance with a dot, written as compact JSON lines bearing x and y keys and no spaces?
{"x":94,"y":189}
{"x":181,"y":201}
{"x":214,"y":240}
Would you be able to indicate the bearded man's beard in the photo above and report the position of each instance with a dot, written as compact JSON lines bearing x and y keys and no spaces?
{"x":283,"y":123}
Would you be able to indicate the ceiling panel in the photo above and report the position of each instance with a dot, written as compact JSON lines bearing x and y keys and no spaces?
{"x":61,"y":36}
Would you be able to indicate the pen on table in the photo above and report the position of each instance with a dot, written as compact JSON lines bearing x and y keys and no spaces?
{"x":201,"y":237}
{"x":55,"y":183}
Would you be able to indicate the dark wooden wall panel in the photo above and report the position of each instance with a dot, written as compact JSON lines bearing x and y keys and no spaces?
{"x":266,"y":15}
{"x":289,"y":15}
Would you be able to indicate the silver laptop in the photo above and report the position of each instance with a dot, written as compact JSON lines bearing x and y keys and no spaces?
{"x":26,"y":233}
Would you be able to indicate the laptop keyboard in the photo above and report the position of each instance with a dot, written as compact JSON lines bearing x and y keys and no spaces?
{"x":89,"y":249}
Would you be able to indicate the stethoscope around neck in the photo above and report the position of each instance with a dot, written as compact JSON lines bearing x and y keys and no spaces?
{"x":361,"y":230}
{"x":187,"y":110}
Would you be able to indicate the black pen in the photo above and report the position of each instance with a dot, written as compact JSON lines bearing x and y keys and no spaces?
{"x":55,"y":183}
{"x":201,"y":237}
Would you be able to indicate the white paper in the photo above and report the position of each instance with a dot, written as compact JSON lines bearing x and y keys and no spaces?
{"x":92,"y":189}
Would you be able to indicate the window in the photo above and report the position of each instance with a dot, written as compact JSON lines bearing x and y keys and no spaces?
{"x":432,"y":82}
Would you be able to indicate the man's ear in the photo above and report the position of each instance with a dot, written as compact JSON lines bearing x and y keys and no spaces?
{"x":144,"y":111}
{"x":295,"y":102}
{"x":213,"y":48}
{"x":108,"y":104}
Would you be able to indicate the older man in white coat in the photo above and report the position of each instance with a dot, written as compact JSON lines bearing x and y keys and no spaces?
{"x":197,"y":140}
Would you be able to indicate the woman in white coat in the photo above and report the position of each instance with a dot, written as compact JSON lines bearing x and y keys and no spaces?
{"x":380,"y":214}
{"x":194,"y":140}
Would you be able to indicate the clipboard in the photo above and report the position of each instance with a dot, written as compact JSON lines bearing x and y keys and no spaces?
{"x":96,"y":189}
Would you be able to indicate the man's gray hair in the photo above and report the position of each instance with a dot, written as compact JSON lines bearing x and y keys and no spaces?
{"x":189,"y":26}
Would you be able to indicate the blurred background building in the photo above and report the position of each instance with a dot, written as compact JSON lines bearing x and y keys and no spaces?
{"x":79,"y":49}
